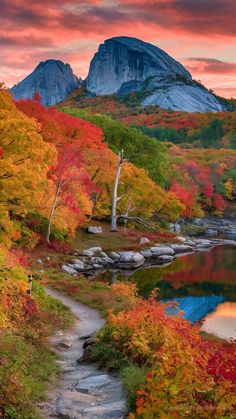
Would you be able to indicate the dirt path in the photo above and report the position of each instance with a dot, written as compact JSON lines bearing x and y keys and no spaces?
{"x":84,"y":391}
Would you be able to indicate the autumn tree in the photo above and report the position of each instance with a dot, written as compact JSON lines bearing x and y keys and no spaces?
{"x":24,"y":162}
{"x":69,"y":177}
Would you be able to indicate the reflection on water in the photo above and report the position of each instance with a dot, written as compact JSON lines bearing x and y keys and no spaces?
{"x":196,"y":308}
{"x":222,"y":322}
{"x":199,"y":281}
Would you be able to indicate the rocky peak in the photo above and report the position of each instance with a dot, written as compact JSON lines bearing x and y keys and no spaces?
{"x":123,"y":65}
{"x":53,"y":79}
{"x":122,"y":59}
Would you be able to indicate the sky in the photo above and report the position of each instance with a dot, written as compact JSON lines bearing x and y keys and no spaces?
{"x":201,"y":34}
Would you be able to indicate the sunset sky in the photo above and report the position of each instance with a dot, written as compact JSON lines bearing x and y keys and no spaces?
{"x":201,"y":34}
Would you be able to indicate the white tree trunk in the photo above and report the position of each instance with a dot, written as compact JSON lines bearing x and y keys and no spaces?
{"x":115,"y":189}
{"x":53,"y":209}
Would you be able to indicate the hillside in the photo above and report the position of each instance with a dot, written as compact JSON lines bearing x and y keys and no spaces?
{"x":184,"y":128}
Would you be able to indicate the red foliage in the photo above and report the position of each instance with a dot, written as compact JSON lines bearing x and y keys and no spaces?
{"x":17,"y":256}
{"x":60,"y":247}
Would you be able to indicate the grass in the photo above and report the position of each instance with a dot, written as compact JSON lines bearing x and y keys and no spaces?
{"x":133,"y":377}
{"x":96,"y":294}
{"x":27,"y":363}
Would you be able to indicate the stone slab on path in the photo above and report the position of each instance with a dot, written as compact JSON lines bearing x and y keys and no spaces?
{"x":83,"y":391}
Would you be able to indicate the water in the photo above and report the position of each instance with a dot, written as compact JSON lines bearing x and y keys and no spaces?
{"x":204,"y":284}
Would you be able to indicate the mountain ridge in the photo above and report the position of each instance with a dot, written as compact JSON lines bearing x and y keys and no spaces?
{"x":123,"y":65}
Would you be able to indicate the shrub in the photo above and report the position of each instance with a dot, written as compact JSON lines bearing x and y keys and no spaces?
{"x":188,"y":376}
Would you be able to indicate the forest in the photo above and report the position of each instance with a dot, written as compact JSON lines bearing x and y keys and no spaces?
{"x":57,"y":170}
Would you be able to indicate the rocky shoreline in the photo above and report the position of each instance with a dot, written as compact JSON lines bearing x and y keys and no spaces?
{"x":95,"y":260}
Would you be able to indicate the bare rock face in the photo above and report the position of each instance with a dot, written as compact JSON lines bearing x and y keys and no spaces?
{"x":122,"y":59}
{"x":123,"y":65}
{"x":52,"y":79}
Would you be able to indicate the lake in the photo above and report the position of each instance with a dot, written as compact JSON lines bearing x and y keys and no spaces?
{"x":204,"y":284}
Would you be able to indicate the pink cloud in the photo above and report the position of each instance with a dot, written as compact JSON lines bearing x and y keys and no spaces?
{"x":72,"y":30}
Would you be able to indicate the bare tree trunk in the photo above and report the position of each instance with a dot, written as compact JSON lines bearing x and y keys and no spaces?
{"x":53,"y":209}
{"x":128,"y":209}
{"x":115,"y":189}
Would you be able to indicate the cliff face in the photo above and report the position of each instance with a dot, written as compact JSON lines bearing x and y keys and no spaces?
{"x":53,"y":79}
{"x":124,"y":64}
{"x":123,"y":59}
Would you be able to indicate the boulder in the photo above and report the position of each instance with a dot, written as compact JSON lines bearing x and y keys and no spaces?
{"x":78,"y":264}
{"x":144,"y":240}
{"x":181,"y":239}
{"x":147,"y":254}
{"x":106,"y":261}
{"x":114,"y":255}
{"x":94,"y":229}
{"x":87,"y":253}
{"x":130,"y":260}
{"x":231,"y":232}
{"x":69,"y":270}
{"x":165,"y":258}
{"x":95,"y":250}
{"x":181,"y":248}
{"x":203,"y":242}
{"x":211,"y":232}
{"x":161,"y":250}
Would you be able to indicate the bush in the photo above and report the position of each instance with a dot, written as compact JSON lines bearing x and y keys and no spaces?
{"x":187,"y":375}
{"x":134,"y":378}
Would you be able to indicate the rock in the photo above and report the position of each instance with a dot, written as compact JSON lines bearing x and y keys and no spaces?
{"x":114,"y":255}
{"x":87,"y":253}
{"x":92,"y":384}
{"x":230,"y":242}
{"x":161,"y":250}
{"x":211,"y":232}
{"x":181,"y":248}
{"x":144,"y":240}
{"x":198,"y":222}
{"x":68,"y":270}
{"x":124,"y":64}
{"x":52,"y":79}
{"x":130,"y":260}
{"x":165,"y":258}
{"x":190,"y":242}
{"x":84,"y":337}
{"x":147,"y":254}
{"x":87,"y":353}
{"x":65,"y":344}
{"x":78,"y":264}
{"x":89,"y":342}
{"x":68,"y":402}
{"x":103,"y":255}
{"x":95,"y":250}
{"x":203,"y":242}
{"x":182,"y":96}
{"x":181,"y":239}
{"x":230,"y":232}
{"x":94,"y":230}
{"x":96,"y":261}
{"x":200,"y":248}
{"x":122,"y":59}
{"x":114,"y":410}
{"x":106,"y":261}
